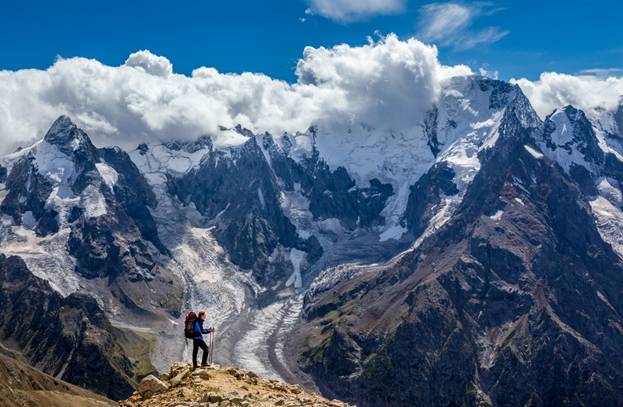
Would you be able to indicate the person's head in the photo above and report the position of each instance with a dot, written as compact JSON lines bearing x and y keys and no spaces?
{"x":202,"y":315}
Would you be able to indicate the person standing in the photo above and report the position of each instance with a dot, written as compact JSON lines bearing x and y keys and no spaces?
{"x":199,"y":342}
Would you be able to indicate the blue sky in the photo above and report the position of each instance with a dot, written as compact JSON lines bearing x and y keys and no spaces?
{"x":268,"y":36}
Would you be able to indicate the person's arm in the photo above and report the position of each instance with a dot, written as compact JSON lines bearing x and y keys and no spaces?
{"x":198,"y":328}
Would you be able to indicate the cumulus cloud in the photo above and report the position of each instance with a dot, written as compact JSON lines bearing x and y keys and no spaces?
{"x":449,"y":24}
{"x":587,"y":92}
{"x":150,"y":63}
{"x":387,"y":83}
{"x":351,"y":10}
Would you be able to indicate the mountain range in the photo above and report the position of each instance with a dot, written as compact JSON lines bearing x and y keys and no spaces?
{"x":474,"y":260}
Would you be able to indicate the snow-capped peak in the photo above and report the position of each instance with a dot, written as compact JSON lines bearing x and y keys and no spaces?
{"x":63,"y":131}
{"x":570,"y":139}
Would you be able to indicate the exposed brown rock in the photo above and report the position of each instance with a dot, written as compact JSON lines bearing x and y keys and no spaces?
{"x":222,"y":387}
{"x":22,"y":385}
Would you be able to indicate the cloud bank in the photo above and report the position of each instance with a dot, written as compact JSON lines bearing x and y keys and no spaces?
{"x":352,"y":10}
{"x":386,"y":83}
{"x":591,"y":93}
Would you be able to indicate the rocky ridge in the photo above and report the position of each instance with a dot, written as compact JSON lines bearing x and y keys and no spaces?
{"x":21,"y":385}
{"x":216,"y":386}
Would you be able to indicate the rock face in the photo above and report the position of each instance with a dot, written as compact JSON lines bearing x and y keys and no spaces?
{"x":238,"y":189}
{"x":425,"y":196}
{"x":516,"y":301}
{"x":21,"y":385}
{"x":216,"y":386}
{"x":69,"y":338}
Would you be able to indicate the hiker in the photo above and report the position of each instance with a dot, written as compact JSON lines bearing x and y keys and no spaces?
{"x":197,"y":337}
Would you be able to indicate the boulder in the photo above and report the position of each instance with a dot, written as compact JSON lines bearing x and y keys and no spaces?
{"x":177,"y":379}
{"x":151,"y":385}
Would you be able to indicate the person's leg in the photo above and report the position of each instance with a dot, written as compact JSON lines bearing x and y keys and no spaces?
{"x":195,"y":351}
{"x":204,"y":348}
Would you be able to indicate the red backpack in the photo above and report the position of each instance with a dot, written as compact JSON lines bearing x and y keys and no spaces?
{"x":189,"y":325}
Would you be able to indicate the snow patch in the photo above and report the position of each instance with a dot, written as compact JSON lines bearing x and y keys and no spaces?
{"x":159,"y":160}
{"x":609,"y":221}
{"x":296,"y":257}
{"x":260,"y":195}
{"x":536,"y":154}
{"x":93,"y":202}
{"x":331,"y":225}
{"x":395,"y":232}
{"x":610,"y":192}
{"x":56,"y":167}
{"x":109,"y":175}
{"x":497,"y":216}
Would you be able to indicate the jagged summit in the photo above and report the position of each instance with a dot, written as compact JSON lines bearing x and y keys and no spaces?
{"x":70,"y":140}
{"x":66,"y":135}
{"x":61,"y":124}
{"x":569,"y":138}
{"x":201,"y":143}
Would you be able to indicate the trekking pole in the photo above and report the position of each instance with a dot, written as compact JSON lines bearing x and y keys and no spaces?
{"x":210,"y":348}
{"x":212,"y":356}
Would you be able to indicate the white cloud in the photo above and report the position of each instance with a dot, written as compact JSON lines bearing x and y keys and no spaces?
{"x":150,"y":63}
{"x":586,"y":92}
{"x":351,"y":10}
{"x":603,"y":72}
{"x":385,"y":83}
{"x":449,"y":24}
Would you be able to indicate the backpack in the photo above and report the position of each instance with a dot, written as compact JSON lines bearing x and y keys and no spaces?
{"x":189,"y":325}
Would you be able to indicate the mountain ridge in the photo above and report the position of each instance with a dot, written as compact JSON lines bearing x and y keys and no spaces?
{"x":288,"y":240}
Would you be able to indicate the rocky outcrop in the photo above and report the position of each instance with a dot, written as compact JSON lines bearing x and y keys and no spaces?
{"x":133,"y":194}
{"x":151,"y":385}
{"x":69,"y":338}
{"x":27,"y":192}
{"x":22,"y":385}
{"x":425,"y":196}
{"x":216,"y":386}
{"x":516,"y":301}
{"x":333,"y":194}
